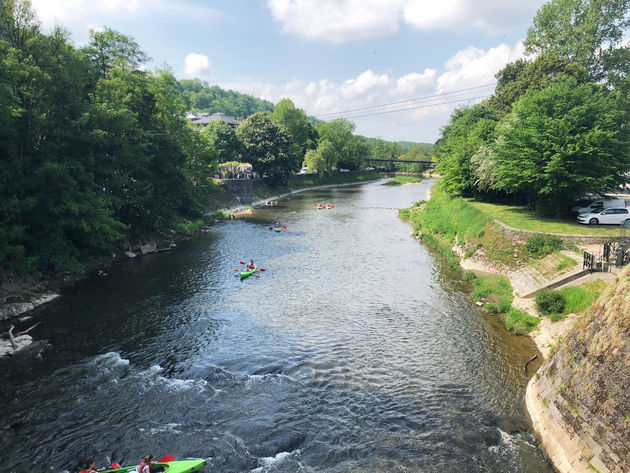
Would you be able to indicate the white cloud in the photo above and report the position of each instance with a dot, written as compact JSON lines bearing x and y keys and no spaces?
{"x":78,"y":15}
{"x":423,"y":118}
{"x":338,"y":21}
{"x":476,"y":66}
{"x":196,"y":65}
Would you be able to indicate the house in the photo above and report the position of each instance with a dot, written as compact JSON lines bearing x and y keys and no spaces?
{"x":204,"y":119}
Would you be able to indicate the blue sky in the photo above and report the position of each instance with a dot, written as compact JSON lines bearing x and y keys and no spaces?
{"x":327,"y":56}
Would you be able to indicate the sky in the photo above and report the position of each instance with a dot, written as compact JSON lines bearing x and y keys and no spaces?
{"x":332,"y":58}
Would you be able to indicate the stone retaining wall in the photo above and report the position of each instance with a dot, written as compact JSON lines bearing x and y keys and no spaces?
{"x":523,"y":235}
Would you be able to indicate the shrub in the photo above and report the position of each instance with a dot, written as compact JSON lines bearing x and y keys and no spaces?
{"x":550,"y":302}
{"x":504,"y":306}
{"x":540,"y":245}
{"x":491,"y":307}
{"x":469,"y":276}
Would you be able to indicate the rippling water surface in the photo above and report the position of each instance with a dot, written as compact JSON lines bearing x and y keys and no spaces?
{"x":355,"y":351}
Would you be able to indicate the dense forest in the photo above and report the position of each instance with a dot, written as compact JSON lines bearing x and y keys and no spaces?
{"x":95,"y":149}
{"x":203,"y":98}
{"x":556,"y":128}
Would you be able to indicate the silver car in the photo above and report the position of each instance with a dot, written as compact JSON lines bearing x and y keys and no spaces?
{"x":614,"y":216}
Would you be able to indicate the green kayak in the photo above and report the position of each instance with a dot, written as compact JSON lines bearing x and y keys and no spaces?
{"x":184,"y":466}
{"x":278,"y":229}
{"x":245,"y":274}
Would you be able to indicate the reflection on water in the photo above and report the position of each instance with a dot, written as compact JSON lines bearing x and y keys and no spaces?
{"x":356,"y":350}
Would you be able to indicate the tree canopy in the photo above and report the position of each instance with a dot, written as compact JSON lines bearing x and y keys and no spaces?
{"x":268,"y":147}
{"x":560,"y":142}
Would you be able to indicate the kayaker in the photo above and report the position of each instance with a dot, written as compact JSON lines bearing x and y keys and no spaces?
{"x":276,"y":225}
{"x":90,"y":466}
{"x":145,"y":466}
{"x":251,"y":266}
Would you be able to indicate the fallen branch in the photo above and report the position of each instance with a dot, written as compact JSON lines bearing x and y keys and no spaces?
{"x":29,"y":329}
{"x":11,"y":339}
{"x":530,"y":360}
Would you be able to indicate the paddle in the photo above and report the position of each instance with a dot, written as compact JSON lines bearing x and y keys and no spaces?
{"x":167,"y":458}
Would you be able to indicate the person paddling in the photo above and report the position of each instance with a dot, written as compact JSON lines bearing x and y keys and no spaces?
{"x":276,"y":225}
{"x":90,"y":466}
{"x":251,"y":266}
{"x":145,"y":466}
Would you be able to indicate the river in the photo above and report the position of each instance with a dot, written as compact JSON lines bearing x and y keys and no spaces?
{"x":356,"y":350}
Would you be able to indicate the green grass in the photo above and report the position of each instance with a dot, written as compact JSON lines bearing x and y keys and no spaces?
{"x":399,"y":180}
{"x":520,"y":322}
{"x":580,"y":298}
{"x":499,"y":286}
{"x":522,"y":218}
{"x":564,"y":264}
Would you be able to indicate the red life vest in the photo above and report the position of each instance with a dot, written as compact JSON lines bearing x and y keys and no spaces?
{"x":142,"y":465}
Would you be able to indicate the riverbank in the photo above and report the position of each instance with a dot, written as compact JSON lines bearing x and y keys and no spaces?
{"x":473,"y":242}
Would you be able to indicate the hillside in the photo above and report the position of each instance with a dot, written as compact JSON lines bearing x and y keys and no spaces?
{"x":202,"y":97}
{"x":580,"y":399}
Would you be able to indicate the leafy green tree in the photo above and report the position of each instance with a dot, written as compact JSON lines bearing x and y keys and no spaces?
{"x":561,"y":142}
{"x":201,"y":97}
{"x":295,"y":120}
{"x":468,"y":130}
{"x":223,"y":139}
{"x":581,"y":31}
{"x":323,"y":159}
{"x":520,"y":76}
{"x":349,"y":149}
{"x":268,"y":147}
{"x":109,"y":48}
{"x":315,"y":161}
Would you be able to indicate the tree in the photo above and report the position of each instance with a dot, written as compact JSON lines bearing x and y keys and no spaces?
{"x":468,"y":130}
{"x":223,"y":139}
{"x":109,"y":48}
{"x":322,"y":159}
{"x":581,"y":31}
{"x":561,"y":142}
{"x":267,"y":146}
{"x":349,"y":149}
{"x":295,"y":120}
{"x":520,"y":76}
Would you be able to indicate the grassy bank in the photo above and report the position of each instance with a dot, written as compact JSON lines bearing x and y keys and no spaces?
{"x":400,"y":180}
{"x":524,"y":219}
{"x":445,"y":222}
{"x":571,"y":299}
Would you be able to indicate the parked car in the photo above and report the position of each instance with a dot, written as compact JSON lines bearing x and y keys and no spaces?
{"x":600,"y":204}
{"x":304,"y":170}
{"x":607,"y":216}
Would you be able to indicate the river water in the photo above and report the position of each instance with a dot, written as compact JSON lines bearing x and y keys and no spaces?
{"x":357,"y":350}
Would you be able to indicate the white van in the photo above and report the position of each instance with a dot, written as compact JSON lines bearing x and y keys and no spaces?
{"x":600,"y":204}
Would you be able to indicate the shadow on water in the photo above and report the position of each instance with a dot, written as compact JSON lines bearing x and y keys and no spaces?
{"x":356,"y":350}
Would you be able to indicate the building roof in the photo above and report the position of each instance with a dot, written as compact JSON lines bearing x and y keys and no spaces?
{"x":214,"y":117}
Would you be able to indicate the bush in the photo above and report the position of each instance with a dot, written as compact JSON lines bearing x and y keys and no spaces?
{"x":469,"y":276}
{"x":491,"y":307}
{"x":550,"y":302}
{"x":503,"y":307}
{"x":541,"y":245}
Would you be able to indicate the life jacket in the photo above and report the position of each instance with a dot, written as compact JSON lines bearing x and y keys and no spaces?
{"x":142,"y":465}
